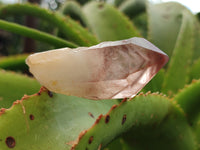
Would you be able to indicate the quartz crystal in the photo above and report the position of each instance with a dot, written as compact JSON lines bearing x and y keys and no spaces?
{"x":109,"y":70}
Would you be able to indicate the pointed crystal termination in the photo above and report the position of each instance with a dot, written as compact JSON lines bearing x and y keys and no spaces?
{"x":109,"y":70}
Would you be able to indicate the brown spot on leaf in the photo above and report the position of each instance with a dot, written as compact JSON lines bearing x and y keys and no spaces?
{"x":90,"y":114}
{"x":50,"y":94}
{"x":90,"y":139}
{"x":10,"y":142}
{"x":166,"y":16}
{"x":101,"y":5}
{"x":31,"y":117}
{"x":39,"y":93}
{"x":123,"y":119}
{"x":2,"y":111}
{"x":107,"y":119}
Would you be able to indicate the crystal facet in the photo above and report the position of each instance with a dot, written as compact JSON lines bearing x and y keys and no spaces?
{"x":109,"y":70}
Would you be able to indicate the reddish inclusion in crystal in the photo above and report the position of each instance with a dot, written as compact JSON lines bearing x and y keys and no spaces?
{"x":125,"y":80}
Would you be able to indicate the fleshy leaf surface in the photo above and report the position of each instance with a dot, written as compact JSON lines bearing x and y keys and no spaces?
{"x":13,"y":86}
{"x":69,"y":122}
{"x":151,"y":119}
{"x":48,"y":121}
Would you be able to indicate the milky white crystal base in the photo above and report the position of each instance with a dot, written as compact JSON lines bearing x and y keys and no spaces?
{"x":109,"y":70}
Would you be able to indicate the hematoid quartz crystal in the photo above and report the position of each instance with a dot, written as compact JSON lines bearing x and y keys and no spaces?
{"x":109,"y":70}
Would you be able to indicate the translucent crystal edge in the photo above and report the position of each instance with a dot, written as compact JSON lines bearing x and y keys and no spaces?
{"x":135,"y":40}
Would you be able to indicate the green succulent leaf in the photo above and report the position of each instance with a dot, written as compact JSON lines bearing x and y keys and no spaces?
{"x":196,"y":131}
{"x":140,"y":21}
{"x":13,"y":86}
{"x":69,"y":122}
{"x":118,"y":2}
{"x":173,"y":132}
{"x":107,"y":23}
{"x":198,"y":16}
{"x":133,"y":8}
{"x":196,"y":54}
{"x":164,"y":23}
{"x":35,"y":34}
{"x":74,"y":10}
{"x":188,"y":99}
{"x":48,"y":121}
{"x":82,"y":2}
{"x":15,"y":63}
{"x":170,"y":26}
{"x":71,"y":29}
{"x":155,"y":85}
{"x":195,"y":70}
{"x":177,"y":74}
{"x":118,"y":144}
{"x":154,"y":114}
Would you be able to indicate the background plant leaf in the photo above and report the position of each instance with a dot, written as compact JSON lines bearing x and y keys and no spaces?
{"x":74,"y":10}
{"x":71,"y":29}
{"x":164,"y":22}
{"x":35,"y":34}
{"x":15,"y":63}
{"x":177,"y":74}
{"x":101,"y":23}
{"x":196,"y":54}
{"x":133,"y":8}
{"x":178,"y":44}
{"x":188,"y":103}
{"x":155,"y":85}
{"x":194,"y":70}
